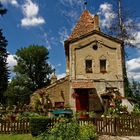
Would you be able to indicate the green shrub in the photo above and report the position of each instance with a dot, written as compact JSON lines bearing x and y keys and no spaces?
{"x":136,"y":110}
{"x":39,"y":125}
{"x":87,"y":132}
{"x":69,"y":129}
{"x":28,"y":115}
{"x":66,"y":129}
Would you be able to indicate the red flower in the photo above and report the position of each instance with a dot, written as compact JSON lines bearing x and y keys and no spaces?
{"x":74,"y":95}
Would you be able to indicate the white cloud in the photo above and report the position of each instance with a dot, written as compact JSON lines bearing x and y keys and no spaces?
{"x":71,"y":2}
{"x":59,"y":65}
{"x":30,"y":9}
{"x":11,"y":61}
{"x":70,"y":11}
{"x":55,"y":66}
{"x":34,"y":21}
{"x":136,"y":42}
{"x":49,"y":41}
{"x":31,"y":17}
{"x":72,"y":14}
{"x":133,"y":68}
{"x":63,"y":33}
{"x":62,"y":75}
{"x":106,"y":11}
{"x":13,"y":2}
{"x":138,"y":25}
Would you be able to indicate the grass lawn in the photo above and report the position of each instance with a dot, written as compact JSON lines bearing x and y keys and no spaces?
{"x":17,"y":137}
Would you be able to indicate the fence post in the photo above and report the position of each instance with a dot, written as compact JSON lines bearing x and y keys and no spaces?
{"x":95,"y":123}
{"x":115,"y":126}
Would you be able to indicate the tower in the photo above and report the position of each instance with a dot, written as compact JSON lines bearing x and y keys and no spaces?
{"x":94,"y":64}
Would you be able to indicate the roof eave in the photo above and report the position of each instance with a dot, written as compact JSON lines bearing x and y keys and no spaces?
{"x":68,"y":41}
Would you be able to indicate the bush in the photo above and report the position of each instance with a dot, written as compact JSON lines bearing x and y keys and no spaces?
{"x":69,"y":129}
{"x":66,"y":129}
{"x":87,"y":132}
{"x":136,"y":110}
{"x":28,"y":115}
{"x":39,"y":125}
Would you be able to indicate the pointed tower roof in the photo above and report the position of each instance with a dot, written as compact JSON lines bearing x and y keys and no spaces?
{"x":86,"y":24}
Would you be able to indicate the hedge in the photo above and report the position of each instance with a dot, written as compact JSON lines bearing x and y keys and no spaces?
{"x":39,"y":125}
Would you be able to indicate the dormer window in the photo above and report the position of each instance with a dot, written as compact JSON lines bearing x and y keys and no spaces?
{"x":88,"y":66}
{"x":103,"y":66}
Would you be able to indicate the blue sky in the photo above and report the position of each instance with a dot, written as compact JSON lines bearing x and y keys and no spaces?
{"x":49,"y":22}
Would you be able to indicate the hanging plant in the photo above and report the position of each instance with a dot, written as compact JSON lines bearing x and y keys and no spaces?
{"x":74,"y":95}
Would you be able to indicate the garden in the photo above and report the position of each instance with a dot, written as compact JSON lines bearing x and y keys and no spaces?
{"x":22,"y":124}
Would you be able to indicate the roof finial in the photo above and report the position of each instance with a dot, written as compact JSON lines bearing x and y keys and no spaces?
{"x":85,"y":4}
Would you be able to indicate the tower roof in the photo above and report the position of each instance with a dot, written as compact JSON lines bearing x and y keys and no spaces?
{"x":86,"y":24}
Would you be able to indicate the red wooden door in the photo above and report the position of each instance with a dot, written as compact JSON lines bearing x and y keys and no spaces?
{"x":82,"y":102}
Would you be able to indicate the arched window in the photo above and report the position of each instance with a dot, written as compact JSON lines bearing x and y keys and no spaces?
{"x":88,"y":64}
{"x":103,"y":64}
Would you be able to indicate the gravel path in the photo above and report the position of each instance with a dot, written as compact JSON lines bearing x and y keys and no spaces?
{"x":106,"y":137}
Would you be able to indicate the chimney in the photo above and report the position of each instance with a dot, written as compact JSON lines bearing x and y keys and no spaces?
{"x":96,"y":22}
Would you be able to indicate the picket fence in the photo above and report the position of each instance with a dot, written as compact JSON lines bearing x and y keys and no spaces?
{"x":123,"y":125}
{"x":18,"y":127}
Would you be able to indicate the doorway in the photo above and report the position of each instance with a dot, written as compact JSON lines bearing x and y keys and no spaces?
{"x":82,"y":102}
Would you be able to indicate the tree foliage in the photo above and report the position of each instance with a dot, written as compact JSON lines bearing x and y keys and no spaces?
{"x":32,"y":72}
{"x":123,"y":28}
{"x":19,"y":91}
{"x":32,"y":61}
{"x":2,"y":10}
{"x":135,"y":87}
{"x":3,"y":63}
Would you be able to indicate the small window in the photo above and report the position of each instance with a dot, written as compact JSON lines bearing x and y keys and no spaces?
{"x":59,"y":104}
{"x":88,"y":66}
{"x":103,"y":66}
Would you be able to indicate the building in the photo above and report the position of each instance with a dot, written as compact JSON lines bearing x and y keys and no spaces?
{"x":94,"y":69}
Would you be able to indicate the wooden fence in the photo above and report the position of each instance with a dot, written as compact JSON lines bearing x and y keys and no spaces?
{"x":125,"y":125}
{"x":19,"y":127}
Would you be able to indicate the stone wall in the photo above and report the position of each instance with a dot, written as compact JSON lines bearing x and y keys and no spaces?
{"x":108,"y":49}
{"x":56,"y":92}
{"x":59,"y":91}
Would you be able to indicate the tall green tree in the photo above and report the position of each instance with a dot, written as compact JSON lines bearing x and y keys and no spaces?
{"x":31,"y":73}
{"x":19,"y":91}
{"x":124,"y":28}
{"x":3,"y":62}
{"x":135,"y":87}
{"x":32,"y":61}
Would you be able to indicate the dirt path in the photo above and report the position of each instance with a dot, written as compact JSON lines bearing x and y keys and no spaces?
{"x":106,"y":137}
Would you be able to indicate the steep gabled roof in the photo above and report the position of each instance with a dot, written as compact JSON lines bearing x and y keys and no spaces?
{"x":86,"y":24}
